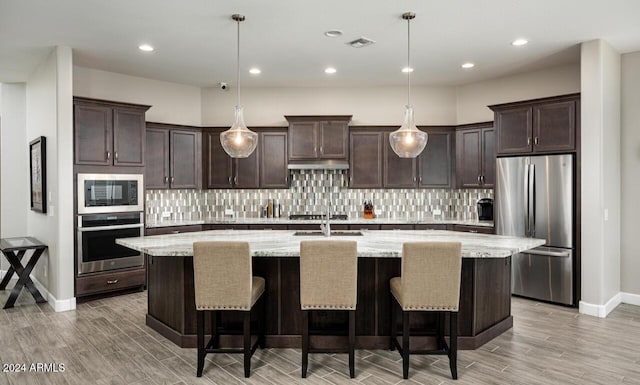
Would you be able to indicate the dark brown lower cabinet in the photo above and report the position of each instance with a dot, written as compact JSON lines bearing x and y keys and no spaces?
{"x":485,"y":310}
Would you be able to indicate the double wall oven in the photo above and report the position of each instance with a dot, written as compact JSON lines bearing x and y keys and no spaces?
{"x":110,"y":206}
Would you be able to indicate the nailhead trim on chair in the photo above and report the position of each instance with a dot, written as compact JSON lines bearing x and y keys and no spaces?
{"x":222,"y":308}
{"x":342,"y":307}
{"x":434,"y":308}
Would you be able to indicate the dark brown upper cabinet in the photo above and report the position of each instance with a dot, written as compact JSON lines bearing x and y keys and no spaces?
{"x":475,"y":156}
{"x":172,"y":157}
{"x":365,"y":164}
{"x":318,"y":137}
{"x":266,"y":167}
{"x":397,"y":172}
{"x":436,"y":164}
{"x":537,"y":126}
{"x":108,"y":133}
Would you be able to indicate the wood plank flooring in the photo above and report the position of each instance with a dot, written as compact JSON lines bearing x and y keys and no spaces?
{"x":105,"y":342}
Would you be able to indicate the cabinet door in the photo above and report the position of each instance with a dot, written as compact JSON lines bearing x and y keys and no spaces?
{"x":273,"y":160}
{"x":554,"y":126}
{"x":246,"y":171}
{"x":156,"y":155}
{"x":398,"y":172}
{"x":366,"y":159}
{"x":332,"y":138}
{"x":93,"y":134}
{"x":435,"y":164}
{"x":128,"y":137}
{"x":468,"y":158}
{"x":303,"y":142}
{"x":218,"y":163}
{"x":514,"y":130}
{"x":184,"y":156}
{"x":488,"y":177}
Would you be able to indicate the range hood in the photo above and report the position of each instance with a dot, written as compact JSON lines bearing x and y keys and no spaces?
{"x":328,"y":164}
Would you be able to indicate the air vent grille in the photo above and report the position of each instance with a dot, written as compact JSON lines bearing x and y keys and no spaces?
{"x":361,"y":42}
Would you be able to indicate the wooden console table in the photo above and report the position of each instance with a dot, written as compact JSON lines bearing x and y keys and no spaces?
{"x":9,"y":247}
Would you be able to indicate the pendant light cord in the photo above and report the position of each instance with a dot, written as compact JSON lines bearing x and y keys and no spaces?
{"x":408,"y":62}
{"x":238,"y":64}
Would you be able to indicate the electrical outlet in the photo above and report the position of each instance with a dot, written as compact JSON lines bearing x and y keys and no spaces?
{"x":166,"y":215}
{"x":51,"y":210}
{"x":437,"y":213}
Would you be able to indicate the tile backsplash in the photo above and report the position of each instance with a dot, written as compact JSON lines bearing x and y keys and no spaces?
{"x":310,"y":192}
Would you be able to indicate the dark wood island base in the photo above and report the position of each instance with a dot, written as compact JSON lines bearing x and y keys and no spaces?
{"x":485,"y":304}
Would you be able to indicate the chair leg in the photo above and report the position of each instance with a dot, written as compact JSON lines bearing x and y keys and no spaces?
{"x":453,"y":345}
{"x":305,"y":342}
{"x":263,"y":321}
{"x":394,"y":317}
{"x":352,"y":343}
{"x":200,"y":332}
{"x":214,"y":327}
{"x":440,"y":329}
{"x":405,"y":344}
{"x":246,"y":326}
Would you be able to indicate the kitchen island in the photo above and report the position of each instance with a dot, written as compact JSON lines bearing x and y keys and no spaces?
{"x":485,"y":303}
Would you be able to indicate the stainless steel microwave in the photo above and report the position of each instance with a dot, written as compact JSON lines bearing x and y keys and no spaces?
{"x":110,"y":193}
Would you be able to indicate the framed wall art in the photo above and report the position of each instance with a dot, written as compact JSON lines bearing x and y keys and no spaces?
{"x":38,"y":174}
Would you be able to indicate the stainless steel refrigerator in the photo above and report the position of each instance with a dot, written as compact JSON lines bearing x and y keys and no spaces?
{"x":535,"y":197}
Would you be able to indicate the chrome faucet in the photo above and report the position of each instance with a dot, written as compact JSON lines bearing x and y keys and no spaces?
{"x":326,"y":226}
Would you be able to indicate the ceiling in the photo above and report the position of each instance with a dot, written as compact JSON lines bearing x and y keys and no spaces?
{"x":195,"y":40}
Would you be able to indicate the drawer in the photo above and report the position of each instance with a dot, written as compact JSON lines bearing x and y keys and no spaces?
{"x":172,"y":230}
{"x":398,"y":226}
{"x":368,"y":226}
{"x":431,"y":227}
{"x":225,"y":227}
{"x":279,"y":226}
{"x":474,"y":229}
{"x":105,"y":282}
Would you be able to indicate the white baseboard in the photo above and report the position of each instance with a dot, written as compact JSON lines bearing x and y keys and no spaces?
{"x":57,"y":304}
{"x":631,"y":299}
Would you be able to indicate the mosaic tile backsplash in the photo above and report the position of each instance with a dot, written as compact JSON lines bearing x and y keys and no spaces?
{"x":310,"y":192}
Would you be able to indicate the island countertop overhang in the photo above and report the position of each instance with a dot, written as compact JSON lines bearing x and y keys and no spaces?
{"x":374,"y":243}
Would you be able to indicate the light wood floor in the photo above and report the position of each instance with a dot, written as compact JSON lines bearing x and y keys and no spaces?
{"x":106,"y":342}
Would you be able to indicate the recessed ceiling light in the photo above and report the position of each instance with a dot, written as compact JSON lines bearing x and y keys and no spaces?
{"x":145,"y":47}
{"x":329,"y":70}
{"x":519,"y":42}
{"x":333,"y":33}
{"x":255,"y":71}
{"x":467,"y":65}
{"x":407,"y":69}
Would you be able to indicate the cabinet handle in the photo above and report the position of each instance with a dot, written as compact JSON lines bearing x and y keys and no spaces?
{"x":420,"y":179}
{"x":535,"y":141}
{"x":528,"y":141}
{"x":108,"y":155}
{"x":482,"y":178}
{"x":235,"y":180}
{"x":173,"y":179}
{"x":415,"y":179}
{"x":478,"y":178}
{"x":115,"y":155}
{"x":166,"y":179}
{"x":112,"y":281}
{"x":321,"y":149}
{"x":230,"y":181}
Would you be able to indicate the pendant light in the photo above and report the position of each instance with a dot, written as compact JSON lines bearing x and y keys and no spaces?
{"x":408,"y":141}
{"x":238,"y":141}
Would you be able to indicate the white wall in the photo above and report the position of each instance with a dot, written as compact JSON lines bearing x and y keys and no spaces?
{"x":473,"y":99}
{"x":600,"y":133}
{"x":630,"y":151}
{"x":368,"y":105}
{"x":170,"y":102}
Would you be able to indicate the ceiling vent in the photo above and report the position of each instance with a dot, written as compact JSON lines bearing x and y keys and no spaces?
{"x":361,"y":42}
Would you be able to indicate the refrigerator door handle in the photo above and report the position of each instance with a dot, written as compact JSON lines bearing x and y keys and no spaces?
{"x":526,"y":200}
{"x":531,"y":210}
{"x":549,"y":253}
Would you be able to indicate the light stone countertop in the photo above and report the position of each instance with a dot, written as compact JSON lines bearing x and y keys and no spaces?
{"x":374,"y":243}
{"x":286,"y":221}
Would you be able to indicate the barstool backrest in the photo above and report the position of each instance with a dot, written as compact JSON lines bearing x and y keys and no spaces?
{"x":328,"y":274}
{"x":222,"y":275}
{"x":431,"y":275}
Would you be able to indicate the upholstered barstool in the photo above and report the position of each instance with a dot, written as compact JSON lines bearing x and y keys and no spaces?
{"x":223,"y":282}
{"x":430,"y":281}
{"x":328,"y":281}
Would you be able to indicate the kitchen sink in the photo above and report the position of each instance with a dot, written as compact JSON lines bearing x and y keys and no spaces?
{"x":338,"y":233}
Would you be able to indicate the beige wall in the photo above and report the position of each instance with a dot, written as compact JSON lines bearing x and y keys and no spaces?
{"x":170,"y":102}
{"x":368,"y":105}
{"x":600,"y":134}
{"x":630,"y":150}
{"x":473,"y":99}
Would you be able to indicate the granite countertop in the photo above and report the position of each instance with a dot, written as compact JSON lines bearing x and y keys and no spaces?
{"x":375,"y":243}
{"x":376,"y":221}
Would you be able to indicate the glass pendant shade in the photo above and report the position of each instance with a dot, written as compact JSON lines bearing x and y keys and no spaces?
{"x":408,"y":141}
{"x":239,"y":141}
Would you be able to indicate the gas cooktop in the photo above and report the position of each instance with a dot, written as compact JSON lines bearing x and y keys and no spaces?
{"x":342,"y":217}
